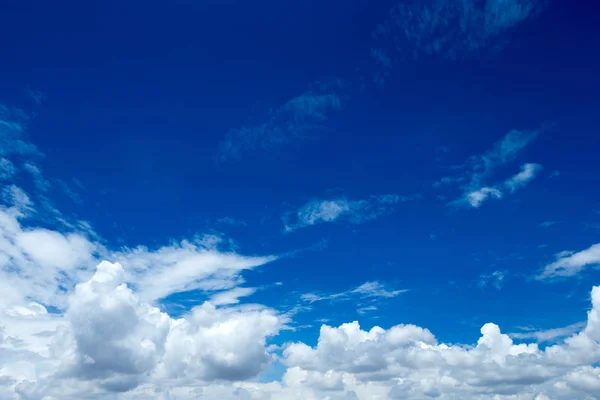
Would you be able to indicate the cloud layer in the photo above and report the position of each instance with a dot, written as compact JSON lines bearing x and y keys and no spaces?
{"x":108,"y":344}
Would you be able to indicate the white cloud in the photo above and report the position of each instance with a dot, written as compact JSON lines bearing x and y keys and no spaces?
{"x":16,"y":198}
{"x":408,"y":362}
{"x":231,"y":296}
{"x":108,"y":341}
{"x":368,"y":290}
{"x":477,"y":197}
{"x":41,"y":183}
{"x":364,"y":310}
{"x":527,"y":174}
{"x":570,"y":263}
{"x":479,"y":168}
{"x":110,"y":344}
{"x":549,"y":334}
{"x":351,"y":211}
{"x":183,"y":267}
{"x":7,"y":169}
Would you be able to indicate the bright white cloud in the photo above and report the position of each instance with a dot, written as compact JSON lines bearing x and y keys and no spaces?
{"x":407,"y":362}
{"x":108,"y":341}
{"x":111,"y":344}
{"x":571,"y":263}
{"x":183,"y":267}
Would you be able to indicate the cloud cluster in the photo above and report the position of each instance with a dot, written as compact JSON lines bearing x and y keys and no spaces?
{"x":108,"y":343}
{"x":408,"y":362}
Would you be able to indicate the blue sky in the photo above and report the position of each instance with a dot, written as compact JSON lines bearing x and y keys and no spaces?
{"x":284,"y":169}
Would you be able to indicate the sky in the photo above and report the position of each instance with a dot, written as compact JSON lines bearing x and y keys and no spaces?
{"x":299,"y":200}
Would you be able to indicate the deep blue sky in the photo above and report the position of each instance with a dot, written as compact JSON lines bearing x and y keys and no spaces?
{"x":139,"y":97}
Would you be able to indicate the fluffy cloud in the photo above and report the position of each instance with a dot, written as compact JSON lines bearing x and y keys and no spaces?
{"x":109,"y":343}
{"x":408,"y":362}
{"x":352,"y":211}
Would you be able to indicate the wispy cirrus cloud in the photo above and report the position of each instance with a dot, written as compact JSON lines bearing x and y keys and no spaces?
{"x":527,"y":174}
{"x":351,"y":211}
{"x":368,"y":290}
{"x":569,"y":263}
{"x":477,"y":197}
{"x":474,"y":175}
{"x":292,"y":121}
{"x":7,"y":169}
{"x":548,"y":335}
{"x":448,"y":28}
{"x":495,"y":279}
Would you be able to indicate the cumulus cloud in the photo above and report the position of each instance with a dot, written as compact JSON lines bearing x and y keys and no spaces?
{"x":569,"y":263}
{"x":292,"y":121}
{"x":448,"y":28}
{"x":351,"y":211}
{"x":408,"y":362}
{"x":109,"y":343}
